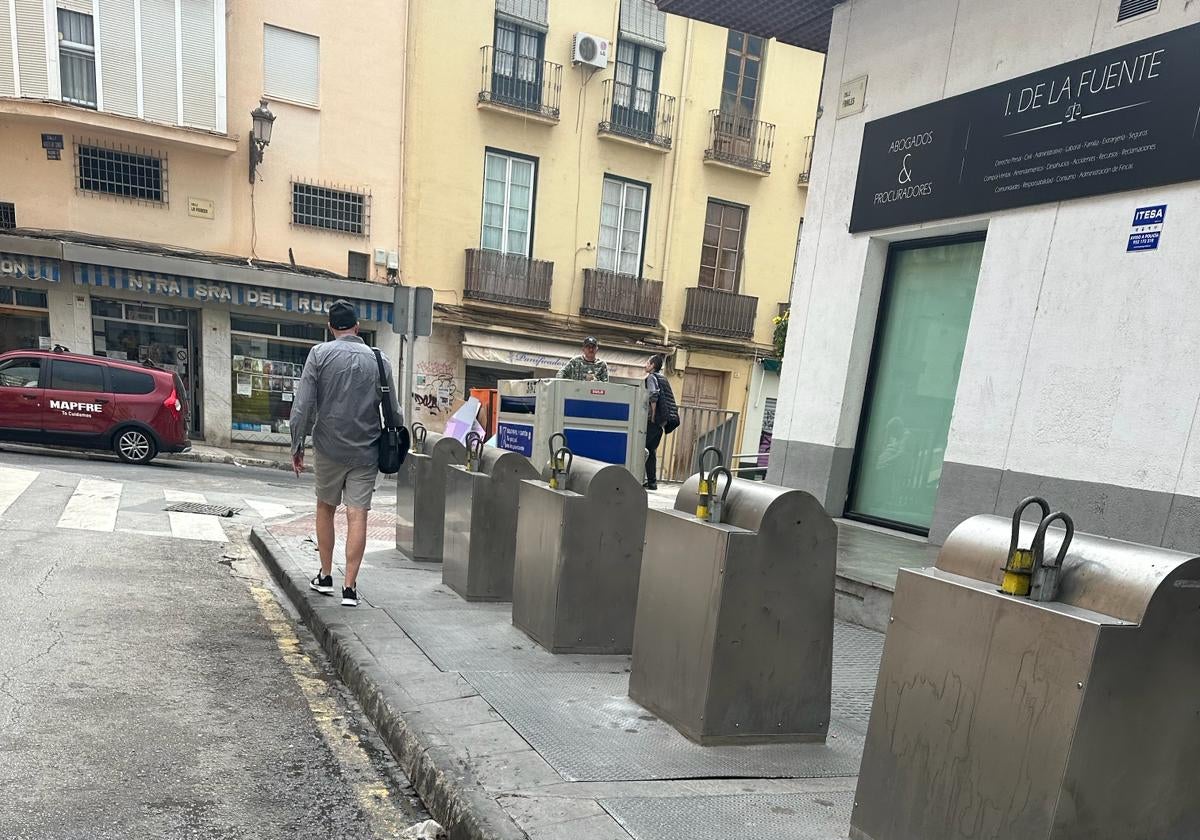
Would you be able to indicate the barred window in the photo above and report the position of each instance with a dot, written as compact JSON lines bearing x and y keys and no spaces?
{"x":339,"y":210}
{"x":121,"y":172}
{"x":8,"y":215}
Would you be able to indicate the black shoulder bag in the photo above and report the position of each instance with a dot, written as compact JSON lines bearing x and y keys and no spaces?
{"x":394,"y":441}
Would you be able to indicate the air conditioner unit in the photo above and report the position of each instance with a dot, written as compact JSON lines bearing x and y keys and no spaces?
{"x":590,"y":50}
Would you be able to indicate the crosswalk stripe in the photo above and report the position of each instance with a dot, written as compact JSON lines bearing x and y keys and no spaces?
{"x":268,"y":510}
{"x":13,"y":483}
{"x":93,"y":506}
{"x":196,"y":526}
{"x":173,"y":496}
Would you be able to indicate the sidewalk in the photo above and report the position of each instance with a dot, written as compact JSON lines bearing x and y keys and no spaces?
{"x":504,"y":740}
{"x":204,"y":454}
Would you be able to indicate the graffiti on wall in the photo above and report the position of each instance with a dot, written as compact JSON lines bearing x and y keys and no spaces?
{"x":435,"y":392}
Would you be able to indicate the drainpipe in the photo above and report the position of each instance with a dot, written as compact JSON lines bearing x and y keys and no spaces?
{"x":681,"y":125}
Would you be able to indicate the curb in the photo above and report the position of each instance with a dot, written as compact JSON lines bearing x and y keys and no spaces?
{"x":206,"y":458}
{"x":445,"y":784}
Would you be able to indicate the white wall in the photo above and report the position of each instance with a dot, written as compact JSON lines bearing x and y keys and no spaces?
{"x":1077,"y":362}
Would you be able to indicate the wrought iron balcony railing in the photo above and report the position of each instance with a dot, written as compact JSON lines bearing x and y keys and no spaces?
{"x":521,"y":83}
{"x":719,"y":313}
{"x":638,"y":114}
{"x":740,"y":141}
{"x":619,"y":297}
{"x":508,"y":278}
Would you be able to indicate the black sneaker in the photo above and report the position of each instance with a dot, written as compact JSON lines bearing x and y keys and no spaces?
{"x":650,"y":486}
{"x":324,"y":585}
{"x":349,"y":596}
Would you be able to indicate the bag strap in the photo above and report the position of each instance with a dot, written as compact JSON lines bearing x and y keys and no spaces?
{"x":389,"y":418}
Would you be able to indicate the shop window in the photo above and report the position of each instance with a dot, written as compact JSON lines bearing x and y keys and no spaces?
{"x":24,"y":322}
{"x":76,"y":376}
{"x":121,"y":172}
{"x":130,"y":381}
{"x":107,"y":308}
{"x":20,"y":373}
{"x":29,"y":297}
{"x":307,"y":332}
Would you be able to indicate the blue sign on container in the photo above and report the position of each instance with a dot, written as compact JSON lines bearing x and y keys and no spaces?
{"x":515,"y":437}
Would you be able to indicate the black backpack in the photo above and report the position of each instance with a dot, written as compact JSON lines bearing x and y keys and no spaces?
{"x":666,"y":404}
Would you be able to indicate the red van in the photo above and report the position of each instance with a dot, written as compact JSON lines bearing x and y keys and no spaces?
{"x":88,"y":402}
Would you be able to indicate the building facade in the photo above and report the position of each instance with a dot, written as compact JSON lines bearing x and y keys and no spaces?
{"x":132,"y":222}
{"x":654,"y":202}
{"x":995,"y":295}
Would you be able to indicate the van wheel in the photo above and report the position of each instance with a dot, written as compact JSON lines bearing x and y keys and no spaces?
{"x":134,"y":446}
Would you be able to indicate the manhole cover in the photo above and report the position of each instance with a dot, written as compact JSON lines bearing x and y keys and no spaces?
{"x":207,"y":510}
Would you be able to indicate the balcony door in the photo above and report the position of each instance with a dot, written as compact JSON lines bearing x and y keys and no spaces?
{"x":721,"y":254}
{"x":622,"y":226}
{"x":508,"y":190}
{"x":635,"y":91}
{"x":736,"y":123}
{"x":517,"y":64}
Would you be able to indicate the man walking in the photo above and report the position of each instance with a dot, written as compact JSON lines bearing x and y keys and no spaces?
{"x":586,"y":368}
{"x":661,"y":403}
{"x":338,"y":398}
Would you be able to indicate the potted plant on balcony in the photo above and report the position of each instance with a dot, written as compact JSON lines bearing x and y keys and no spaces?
{"x":779,"y":338}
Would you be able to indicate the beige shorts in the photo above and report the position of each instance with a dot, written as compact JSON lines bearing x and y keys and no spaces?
{"x":338,"y":483}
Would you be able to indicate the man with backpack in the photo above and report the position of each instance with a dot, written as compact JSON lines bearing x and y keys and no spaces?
{"x":662,"y":417}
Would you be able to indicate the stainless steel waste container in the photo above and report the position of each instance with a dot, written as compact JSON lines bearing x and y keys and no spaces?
{"x":1007,"y":718}
{"x":481,"y":524}
{"x":579,"y":558}
{"x":421,"y":496}
{"x":734,"y":635}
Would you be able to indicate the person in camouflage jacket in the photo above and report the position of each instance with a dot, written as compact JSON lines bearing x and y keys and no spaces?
{"x":586,"y":368}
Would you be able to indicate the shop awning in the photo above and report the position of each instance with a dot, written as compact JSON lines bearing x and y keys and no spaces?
{"x":801,"y":23}
{"x":519,"y":351}
{"x":22,"y":267}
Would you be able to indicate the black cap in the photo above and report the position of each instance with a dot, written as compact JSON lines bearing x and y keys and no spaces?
{"x":342,"y":315}
{"x":591,"y":341}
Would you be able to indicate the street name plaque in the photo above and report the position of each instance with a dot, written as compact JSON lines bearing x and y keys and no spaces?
{"x":1123,"y":119}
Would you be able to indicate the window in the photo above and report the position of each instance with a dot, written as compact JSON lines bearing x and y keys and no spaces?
{"x":721,"y":255}
{"x":332,"y":209}
{"x":77,"y":58}
{"x":358,"y":265}
{"x":122,"y":173}
{"x":635,"y":89}
{"x":743,"y":70}
{"x":8,"y":215}
{"x":291,"y":65}
{"x":20,"y":373}
{"x":622,"y":227}
{"x":130,"y":381}
{"x":508,"y":183}
{"x":76,"y":376}
{"x":517,"y":66}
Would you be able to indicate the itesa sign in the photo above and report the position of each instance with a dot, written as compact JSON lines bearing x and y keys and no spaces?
{"x":1119,"y":120}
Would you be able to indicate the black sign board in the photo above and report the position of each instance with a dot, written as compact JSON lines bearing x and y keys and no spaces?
{"x":53,"y":144}
{"x":1123,"y":119}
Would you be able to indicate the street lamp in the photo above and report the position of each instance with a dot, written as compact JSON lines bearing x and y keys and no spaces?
{"x":260,"y":134}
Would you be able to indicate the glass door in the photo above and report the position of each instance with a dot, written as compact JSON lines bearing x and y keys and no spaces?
{"x":922,"y":329}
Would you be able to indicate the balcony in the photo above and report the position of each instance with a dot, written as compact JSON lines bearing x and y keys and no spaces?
{"x":719,"y":313}
{"x":740,"y":143}
{"x":509,"y":279}
{"x":619,"y":297}
{"x":516,"y":84}
{"x":806,"y":170}
{"x":639,"y":116}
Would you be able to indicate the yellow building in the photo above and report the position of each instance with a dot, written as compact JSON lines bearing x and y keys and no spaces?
{"x":130,"y":224}
{"x":653,"y":201}
{"x":595,"y":167}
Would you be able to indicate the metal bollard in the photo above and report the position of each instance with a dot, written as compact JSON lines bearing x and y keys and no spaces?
{"x":579,"y":558}
{"x":1068,"y":715}
{"x":481,"y":522}
{"x":733,"y":641}
{"x":421,"y":494}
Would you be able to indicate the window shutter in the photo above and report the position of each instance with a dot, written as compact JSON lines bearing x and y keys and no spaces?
{"x":527,"y":11}
{"x":31,"y":50}
{"x":159,"y":71}
{"x":118,"y":60}
{"x":7,"y":87}
{"x":199,"y":64}
{"x":1133,"y":8}
{"x":641,"y":21}
{"x":291,"y":65}
{"x":84,"y":7}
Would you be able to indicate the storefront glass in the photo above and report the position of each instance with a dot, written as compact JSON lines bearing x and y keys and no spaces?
{"x":923,"y":317}
{"x":24,"y":320}
{"x":268,"y":358}
{"x":161,"y":335}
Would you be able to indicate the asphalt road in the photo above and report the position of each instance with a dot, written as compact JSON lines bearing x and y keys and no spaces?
{"x":154,"y":686}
